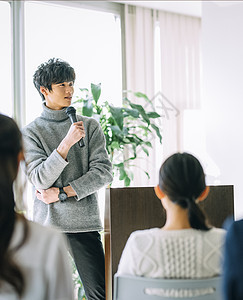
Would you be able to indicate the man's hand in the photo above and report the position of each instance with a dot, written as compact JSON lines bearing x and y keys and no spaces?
{"x":51,"y":195}
{"x":48,"y":196}
{"x":75,"y":133}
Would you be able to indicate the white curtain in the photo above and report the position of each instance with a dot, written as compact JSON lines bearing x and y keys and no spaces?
{"x":179,"y":87}
{"x":139,"y":33}
{"x":180,"y":74}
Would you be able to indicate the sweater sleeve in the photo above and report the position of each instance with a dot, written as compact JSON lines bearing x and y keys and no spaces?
{"x":100,"y":168}
{"x":41,"y":169}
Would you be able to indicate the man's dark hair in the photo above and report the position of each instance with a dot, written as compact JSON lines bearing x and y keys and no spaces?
{"x":51,"y":72}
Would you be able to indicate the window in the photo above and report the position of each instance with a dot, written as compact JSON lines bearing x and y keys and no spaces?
{"x":6,"y":105}
{"x":87,"y":39}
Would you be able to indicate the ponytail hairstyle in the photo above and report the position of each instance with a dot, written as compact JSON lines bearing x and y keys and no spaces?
{"x":10,"y":147}
{"x":182,"y":179}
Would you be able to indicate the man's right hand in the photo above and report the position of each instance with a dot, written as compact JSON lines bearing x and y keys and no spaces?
{"x":75,"y":133}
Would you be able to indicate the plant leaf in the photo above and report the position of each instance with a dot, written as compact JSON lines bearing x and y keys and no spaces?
{"x":145,"y":128}
{"x":96,"y":90}
{"x":122,"y":172}
{"x":147,"y":174}
{"x":117,"y":131}
{"x":153,"y":115}
{"x":117,"y":114}
{"x":145,"y":150}
{"x":118,"y":165}
{"x":83,"y":89}
{"x":157,"y":132}
{"x":148,"y":144}
{"x":132,"y":112}
{"x":141,"y":111}
{"x":141,"y":95}
{"x":127,"y":181}
{"x":125,"y":131}
{"x":144,"y":96}
{"x":115,"y":145}
{"x":87,"y":109}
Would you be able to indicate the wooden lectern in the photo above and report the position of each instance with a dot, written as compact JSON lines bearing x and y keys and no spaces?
{"x":134,"y":208}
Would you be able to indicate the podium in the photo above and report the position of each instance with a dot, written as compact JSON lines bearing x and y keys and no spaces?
{"x":134,"y":208}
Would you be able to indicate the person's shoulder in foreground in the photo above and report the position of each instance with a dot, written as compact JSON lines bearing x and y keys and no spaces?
{"x":44,"y":263}
{"x":233,"y":262}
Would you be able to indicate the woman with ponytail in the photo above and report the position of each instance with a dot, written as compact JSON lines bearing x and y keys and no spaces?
{"x":33,"y":262}
{"x":186,"y":246}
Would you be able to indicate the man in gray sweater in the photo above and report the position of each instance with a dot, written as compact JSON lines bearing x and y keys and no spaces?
{"x":65,"y":176}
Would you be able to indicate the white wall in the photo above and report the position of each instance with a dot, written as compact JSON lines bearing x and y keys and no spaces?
{"x":222,"y":57}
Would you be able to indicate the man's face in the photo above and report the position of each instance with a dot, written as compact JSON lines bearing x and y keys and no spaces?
{"x":60,"y":96}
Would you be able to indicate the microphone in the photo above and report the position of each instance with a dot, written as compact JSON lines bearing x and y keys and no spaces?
{"x":71,"y":112}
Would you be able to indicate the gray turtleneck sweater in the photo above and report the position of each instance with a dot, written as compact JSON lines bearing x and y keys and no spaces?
{"x":86,"y":169}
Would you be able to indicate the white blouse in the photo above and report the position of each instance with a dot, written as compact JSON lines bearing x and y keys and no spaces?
{"x":45,"y":265}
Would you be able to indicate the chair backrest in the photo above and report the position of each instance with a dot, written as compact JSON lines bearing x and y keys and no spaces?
{"x":142,"y":288}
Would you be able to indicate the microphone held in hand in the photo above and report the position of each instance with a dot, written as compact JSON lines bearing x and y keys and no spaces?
{"x":71,"y":112}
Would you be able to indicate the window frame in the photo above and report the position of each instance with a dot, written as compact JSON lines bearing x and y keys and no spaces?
{"x":18,"y":47}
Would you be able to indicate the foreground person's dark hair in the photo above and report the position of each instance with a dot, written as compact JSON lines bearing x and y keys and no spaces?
{"x":10,"y":147}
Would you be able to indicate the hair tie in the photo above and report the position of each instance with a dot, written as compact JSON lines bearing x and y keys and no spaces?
{"x":183,"y":202}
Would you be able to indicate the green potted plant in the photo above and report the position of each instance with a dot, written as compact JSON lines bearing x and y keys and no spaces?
{"x":127,"y":128}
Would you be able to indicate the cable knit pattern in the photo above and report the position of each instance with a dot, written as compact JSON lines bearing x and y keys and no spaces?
{"x":187,"y":253}
{"x":179,"y":259}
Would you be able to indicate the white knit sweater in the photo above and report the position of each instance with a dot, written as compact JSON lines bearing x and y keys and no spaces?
{"x":187,"y":253}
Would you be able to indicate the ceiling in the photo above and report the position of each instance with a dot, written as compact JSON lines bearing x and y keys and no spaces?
{"x":192,"y":8}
